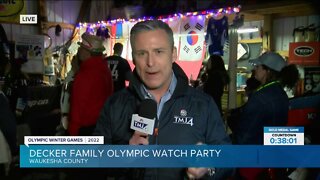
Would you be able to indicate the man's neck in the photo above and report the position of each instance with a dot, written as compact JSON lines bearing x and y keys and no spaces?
{"x":159,"y":93}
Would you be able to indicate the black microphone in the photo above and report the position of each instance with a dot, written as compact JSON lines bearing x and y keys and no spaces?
{"x":145,"y":120}
{"x":148,"y":109}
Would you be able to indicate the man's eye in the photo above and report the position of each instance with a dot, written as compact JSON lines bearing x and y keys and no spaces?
{"x":140,"y":53}
{"x":159,"y":51}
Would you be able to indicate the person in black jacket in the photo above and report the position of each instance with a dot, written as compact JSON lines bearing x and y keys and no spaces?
{"x":120,"y":68}
{"x":267,"y":106}
{"x":217,"y":79}
{"x":156,"y":76}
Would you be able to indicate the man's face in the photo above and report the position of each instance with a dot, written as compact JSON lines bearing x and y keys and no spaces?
{"x":153,"y":57}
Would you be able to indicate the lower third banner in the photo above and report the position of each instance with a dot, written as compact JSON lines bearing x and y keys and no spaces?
{"x":82,"y":156}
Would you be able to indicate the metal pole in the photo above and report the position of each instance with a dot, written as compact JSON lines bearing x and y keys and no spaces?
{"x":232,"y":68}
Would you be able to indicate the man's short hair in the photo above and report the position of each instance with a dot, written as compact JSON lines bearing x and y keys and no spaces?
{"x":117,"y":48}
{"x":150,"y":25}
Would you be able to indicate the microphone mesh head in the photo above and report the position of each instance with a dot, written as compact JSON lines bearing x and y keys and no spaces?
{"x":148,"y":109}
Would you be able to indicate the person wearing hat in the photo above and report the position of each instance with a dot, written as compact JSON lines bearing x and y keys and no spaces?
{"x":268,"y":104}
{"x":91,"y":87}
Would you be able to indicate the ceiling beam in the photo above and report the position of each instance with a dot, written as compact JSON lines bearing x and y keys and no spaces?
{"x":48,"y":25}
{"x":281,"y":9}
{"x":42,"y":16}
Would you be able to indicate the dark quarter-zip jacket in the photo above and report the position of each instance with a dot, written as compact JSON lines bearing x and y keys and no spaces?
{"x":188,"y":117}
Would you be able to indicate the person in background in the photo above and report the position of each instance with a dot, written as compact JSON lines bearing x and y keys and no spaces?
{"x":15,"y":86}
{"x":202,"y":80}
{"x":251,"y":85}
{"x":8,"y":129}
{"x":120,"y":68}
{"x":267,"y":106}
{"x":217,"y":79}
{"x":156,"y":76}
{"x":91,"y":87}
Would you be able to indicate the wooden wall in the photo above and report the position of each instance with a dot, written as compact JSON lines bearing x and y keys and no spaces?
{"x":65,"y":12}
{"x":283,"y":29}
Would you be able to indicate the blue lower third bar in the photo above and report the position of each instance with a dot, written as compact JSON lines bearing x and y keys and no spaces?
{"x":67,"y":156}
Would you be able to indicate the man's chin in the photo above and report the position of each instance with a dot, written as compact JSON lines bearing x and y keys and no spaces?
{"x":152,"y":86}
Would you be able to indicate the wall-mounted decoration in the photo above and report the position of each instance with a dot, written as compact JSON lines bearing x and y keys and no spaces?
{"x":10,"y":10}
{"x":30,"y":50}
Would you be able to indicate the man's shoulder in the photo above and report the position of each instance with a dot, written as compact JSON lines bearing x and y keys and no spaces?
{"x":123,"y":95}
{"x":197,"y":94}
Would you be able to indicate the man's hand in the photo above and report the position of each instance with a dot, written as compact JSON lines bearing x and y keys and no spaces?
{"x":196,"y":173}
{"x":139,"y":138}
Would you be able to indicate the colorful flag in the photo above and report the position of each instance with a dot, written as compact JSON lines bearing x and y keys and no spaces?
{"x":192,"y":38}
{"x":116,"y":30}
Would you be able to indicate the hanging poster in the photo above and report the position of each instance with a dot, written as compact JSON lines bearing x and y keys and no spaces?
{"x":30,"y":50}
{"x":10,"y":10}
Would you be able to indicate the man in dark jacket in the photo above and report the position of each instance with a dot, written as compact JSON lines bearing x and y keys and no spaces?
{"x":120,"y":68}
{"x":157,"y":77}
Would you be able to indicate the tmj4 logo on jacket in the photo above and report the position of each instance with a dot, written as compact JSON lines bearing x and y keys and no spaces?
{"x":183,"y":118}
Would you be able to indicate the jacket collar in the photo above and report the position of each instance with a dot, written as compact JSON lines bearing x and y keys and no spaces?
{"x":181,"y":88}
{"x":267,"y":85}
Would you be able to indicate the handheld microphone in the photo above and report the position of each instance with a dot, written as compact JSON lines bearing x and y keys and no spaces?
{"x":145,"y":120}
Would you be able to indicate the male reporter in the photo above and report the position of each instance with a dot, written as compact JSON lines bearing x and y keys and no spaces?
{"x":184,"y":114}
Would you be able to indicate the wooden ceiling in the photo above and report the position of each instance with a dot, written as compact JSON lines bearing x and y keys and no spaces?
{"x":280,"y":9}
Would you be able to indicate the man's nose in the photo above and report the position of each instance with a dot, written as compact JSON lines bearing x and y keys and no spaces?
{"x":150,"y":59}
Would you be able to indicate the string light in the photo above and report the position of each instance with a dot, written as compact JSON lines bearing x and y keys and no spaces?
{"x":200,"y":14}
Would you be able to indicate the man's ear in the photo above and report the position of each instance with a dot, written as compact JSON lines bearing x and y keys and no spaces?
{"x":174,"y":54}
